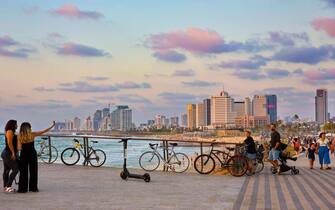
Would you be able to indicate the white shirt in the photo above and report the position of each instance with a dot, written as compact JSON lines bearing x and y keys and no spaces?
{"x":322,"y":143}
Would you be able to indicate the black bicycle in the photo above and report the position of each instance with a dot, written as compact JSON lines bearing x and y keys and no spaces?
{"x":205,"y":164}
{"x":71,"y":155}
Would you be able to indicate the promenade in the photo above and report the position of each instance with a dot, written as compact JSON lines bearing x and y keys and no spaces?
{"x":63,"y":187}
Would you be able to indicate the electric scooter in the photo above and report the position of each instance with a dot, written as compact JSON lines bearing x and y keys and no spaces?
{"x":125,"y":174}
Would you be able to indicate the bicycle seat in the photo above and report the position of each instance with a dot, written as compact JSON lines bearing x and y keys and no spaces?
{"x":173,"y":144}
{"x":76,"y":140}
{"x":214,"y":143}
{"x":152,"y":145}
{"x":94,"y":142}
{"x":230,"y":148}
{"x":45,"y":138}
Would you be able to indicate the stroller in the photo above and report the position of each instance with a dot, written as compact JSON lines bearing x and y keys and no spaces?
{"x":283,"y":157}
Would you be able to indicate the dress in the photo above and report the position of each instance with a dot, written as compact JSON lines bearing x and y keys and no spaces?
{"x":28,"y":160}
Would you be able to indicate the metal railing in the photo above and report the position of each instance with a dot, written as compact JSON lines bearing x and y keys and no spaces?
{"x":164,"y":143}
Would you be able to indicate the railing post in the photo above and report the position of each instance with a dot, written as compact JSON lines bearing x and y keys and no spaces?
{"x":49,"y":142}
{"x":167,"y":153}
{"x":201,"y":152}
{"x":85,"y":139}
{"x":164,"y":166}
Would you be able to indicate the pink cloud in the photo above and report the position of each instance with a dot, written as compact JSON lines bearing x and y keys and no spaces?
{"x":319,"y":74}
{"x":325,"y":24}
{"x":192,"y":39}
{"x":68,"y":10}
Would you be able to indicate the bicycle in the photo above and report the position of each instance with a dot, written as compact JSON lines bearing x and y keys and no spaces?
{"x":177,"y":162}
{"x":205,"y":164}
{"x":47,"y":153}
{"x":71,"y":155}
{"x":259,"y":163}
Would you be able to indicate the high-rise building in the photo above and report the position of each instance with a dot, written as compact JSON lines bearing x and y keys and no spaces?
{"x":222,"y":114}
{"x":59,"y":126}
{"x":199,"y":115}
{"x":321,"y":106}
{"x":105,"y":112}
{"x":191,"y":116}
{"x":151,"y":123}
{"x":122,"y":118}
{"x":174,"y":122}
{"x":160,"y":121}
{"x":88,"y":126}
{"x":207,"y":112}
{"x":247,"y":106}
{"x":76,"y":123}
{"x":69,"y":125}
{"x":97,"y":119}
{"x":271,"y":106}
{"x":259,"y":106}
{"x":183,"y":120}
{"x":239,"y":108}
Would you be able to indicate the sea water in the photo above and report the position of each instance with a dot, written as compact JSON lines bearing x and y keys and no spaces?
{"x":112,"y":148}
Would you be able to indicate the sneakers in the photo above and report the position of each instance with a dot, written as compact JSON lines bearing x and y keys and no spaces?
{"x":9,"y":190}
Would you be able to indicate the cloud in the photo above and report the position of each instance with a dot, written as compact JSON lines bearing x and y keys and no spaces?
{"x":169,"y":56}
{"x":250,"y":75}
{"x":55,"y":35}
{"x":254,"y":62}
{"x":133,"y":98}
{"x":287,"y":39}
{"x":177,"y":97}
{"x":308,"y":55}
{"x":43,"y":89}
{"x":31,"y":10}
{"x":266,"y":74}
{"x":325,"y":24}
{"x":11,"y":48}
{"x":46,"y":104}
{"x":199,"y":83}
{"x":277,"y":73}
{"x":71,"y":11}
{"x":92,"y":78}
{"x":133,"y":85}
{"x":331,"y":3}
{"x":183,"y":73}
{"x":85,"y":87}
{"x":319,"y":75}
{"x":80,"y":50}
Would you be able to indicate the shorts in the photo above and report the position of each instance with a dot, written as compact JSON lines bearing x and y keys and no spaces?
{"x":251,"y":156}
{"x":274,"y":154}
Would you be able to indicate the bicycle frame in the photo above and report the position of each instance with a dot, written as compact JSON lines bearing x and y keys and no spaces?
{"x":161,"y":157}
{"x":79,"y":147}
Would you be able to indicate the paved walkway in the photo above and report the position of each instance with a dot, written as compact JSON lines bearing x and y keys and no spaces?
{"x":311,"y":189}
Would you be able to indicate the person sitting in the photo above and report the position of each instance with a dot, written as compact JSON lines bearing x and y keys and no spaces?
{"x":250,"y":151}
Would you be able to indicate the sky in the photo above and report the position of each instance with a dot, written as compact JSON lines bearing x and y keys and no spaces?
{"x":61,"y":59}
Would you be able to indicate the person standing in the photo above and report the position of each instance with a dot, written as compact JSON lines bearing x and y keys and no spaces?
{"x":250,"y":151}
{"x":28,"y":158}
{"x":9,"y":156}
{"x":274,"y":148}
{"x":311,"y":155}
{"x":323,"y":151}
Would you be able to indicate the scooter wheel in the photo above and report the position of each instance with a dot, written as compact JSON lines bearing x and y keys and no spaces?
{"x":123,"y":175}
{"x":146,"y":177}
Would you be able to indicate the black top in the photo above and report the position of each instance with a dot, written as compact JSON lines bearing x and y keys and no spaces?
{"x":311,"y":153}
{"x":14,"y":142}
{"x":275,"y":138}
{"x":251,"y":146}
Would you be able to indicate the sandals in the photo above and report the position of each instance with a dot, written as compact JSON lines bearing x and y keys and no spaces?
{"x":328,"y":168}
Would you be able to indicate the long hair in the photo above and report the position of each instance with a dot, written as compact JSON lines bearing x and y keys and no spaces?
{"x":11,"y":126}
{"x":25,"y":134}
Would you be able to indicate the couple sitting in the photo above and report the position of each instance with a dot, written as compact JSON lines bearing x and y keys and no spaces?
{"x":19,"y":155}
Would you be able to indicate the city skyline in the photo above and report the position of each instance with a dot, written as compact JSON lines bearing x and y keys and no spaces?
{"x":61,"y":59}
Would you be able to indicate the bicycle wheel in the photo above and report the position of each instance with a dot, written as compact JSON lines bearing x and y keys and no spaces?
{"x":49,"y":154}
{"x":97,"y":158}
{"x":221,"y":158}
{"x":204,"y":164}
{"x":70,"y":156}
{"x":237,"y":166}
{"x":259,"y":166}
{"x":149,"y":161}
{"x":179,"y":162}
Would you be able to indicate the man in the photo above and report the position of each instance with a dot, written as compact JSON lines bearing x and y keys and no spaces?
{"x":274,"y":148}
{"x":251,"y":151}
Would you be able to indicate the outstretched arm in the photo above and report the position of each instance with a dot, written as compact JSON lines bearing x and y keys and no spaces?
{"x":40,"y":133}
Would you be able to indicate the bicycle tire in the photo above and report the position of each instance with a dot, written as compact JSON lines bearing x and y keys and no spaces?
{"x":237,"y":165}
{"x":221,"y":157}
{"x":46,"y":157}
{"x":181,"y":160}
{"x":72,"y":151}
{"x":100,"y":159}
{"x":260,"y":166}
{"x":204,"y":160}
{"x":153,"y":160}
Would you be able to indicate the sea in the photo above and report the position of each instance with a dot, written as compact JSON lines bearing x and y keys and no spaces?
{"x":112,"y":148}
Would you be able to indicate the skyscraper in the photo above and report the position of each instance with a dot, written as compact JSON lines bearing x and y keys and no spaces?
{"x":76,"y":123}
{"x":122,"y":118}
{"x":321,"y":106}
{"x":160,"y":121}
{"x":191,"y":116}
{"x":271,"y":107}
{"x":105,"y":112}
{"x":174,"y":121}
{"x":97,"y":119}
{"x":259,"y":106}
{"x":239,"y":108}
{"x":183,"y":120}
{"x":222,"y":114}
{"x":199,"y":119}
{"x":207,"y":112}
{"x":247,"y":106}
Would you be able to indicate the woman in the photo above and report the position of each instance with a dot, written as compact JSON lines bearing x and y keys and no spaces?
{"x":323,"y":151}
{"x":9,"y":156}
{"x":28,"y":157}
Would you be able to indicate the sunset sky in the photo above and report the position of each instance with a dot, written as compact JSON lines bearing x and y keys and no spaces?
{"x":61,"y":59}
